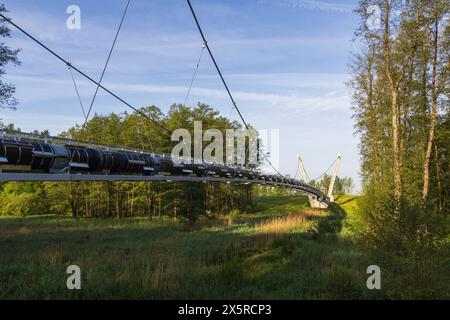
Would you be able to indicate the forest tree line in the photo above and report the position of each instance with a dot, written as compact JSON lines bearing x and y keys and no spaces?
{"x":151,"y":198}
{"x":126,"y":199}
{"x":401,"y":108}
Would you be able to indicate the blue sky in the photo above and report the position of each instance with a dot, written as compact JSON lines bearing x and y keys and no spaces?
{"x":285,"y":61}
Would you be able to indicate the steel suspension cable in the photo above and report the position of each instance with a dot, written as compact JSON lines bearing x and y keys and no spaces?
{"x":103,"y":74}
{"x":190,"y":86}
{"x":296,"y":172}
{"x":107,"y":61}
{"x":147,"y":135}
{"x":194,"y":75}
{"x":325,"y":171}
{"x":215,"y":63}
{"x":306,"y":174}
{"x":78,"y":94}
{"x":82,"y":73}
{"x":223,"y":79}
{"x":231,"y":112}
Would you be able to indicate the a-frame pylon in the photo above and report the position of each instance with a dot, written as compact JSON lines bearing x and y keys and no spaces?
{"x":313,"y":201}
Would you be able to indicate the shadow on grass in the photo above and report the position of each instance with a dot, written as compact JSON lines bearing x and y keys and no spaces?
{"x":332,"y":224}
{"x":346,"y":201}
{"x":142,"y":259}
{"x":279,"y":204}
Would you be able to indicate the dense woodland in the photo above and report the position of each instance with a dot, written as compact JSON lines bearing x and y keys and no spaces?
{"x":401,"y":108}
{"x":125,"y":199}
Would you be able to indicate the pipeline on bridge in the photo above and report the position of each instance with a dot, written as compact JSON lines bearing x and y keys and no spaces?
{"x":27,"y":157}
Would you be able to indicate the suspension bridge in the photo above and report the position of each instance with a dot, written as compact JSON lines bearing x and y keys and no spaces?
{"x":28,"y":157}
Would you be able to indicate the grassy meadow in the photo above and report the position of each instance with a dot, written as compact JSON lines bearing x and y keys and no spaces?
{"x":283,"y":251}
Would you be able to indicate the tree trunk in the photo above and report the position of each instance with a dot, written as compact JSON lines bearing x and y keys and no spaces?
{"x":395,"y":148}
{"x":394,"y":84}
{"x":118,"y":209}
{"x":108,"y":204}
{"x":71,"y":199}
{"x":434,"y":96}
{"x":159,"y":208}
{"x":438,"y":177}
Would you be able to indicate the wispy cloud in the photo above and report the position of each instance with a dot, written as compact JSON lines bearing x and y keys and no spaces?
{"x":292,"y":102}
{"x":311,"y":5}
{"x":29,"y":121}
{"x":326,"y":81}
{"x":50,"y":89}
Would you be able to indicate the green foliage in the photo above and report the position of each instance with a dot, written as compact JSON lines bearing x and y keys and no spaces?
{"x":341,"y":283}
{"x":233,"y":215}
{"x":55,"y":197}
{"x":399,"y":84}
{"x":139,"y":258}
{"x":7,"y":56}
{"x":231,"y":274}
{"x":136,"y":258}
{"x":23,"y":199}
{"x":125,"y":199}
{"x":341,"y":185}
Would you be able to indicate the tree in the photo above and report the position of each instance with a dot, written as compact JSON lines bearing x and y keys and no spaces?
{"x":122,"y":199}
{"x":439,"y":57}
{"x":7,"y":55}
{"x":401,"y":110}
{"x":341,"y":185}
{"x":28,"y":198}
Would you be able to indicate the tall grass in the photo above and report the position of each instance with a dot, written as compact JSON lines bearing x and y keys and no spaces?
{"x":277,"y":253}
{"x":279,"y":225}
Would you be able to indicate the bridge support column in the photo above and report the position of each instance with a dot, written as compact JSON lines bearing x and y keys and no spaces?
{"x":333,"y":178}
{"x":316,"y":204}
{"x":313,"y":201}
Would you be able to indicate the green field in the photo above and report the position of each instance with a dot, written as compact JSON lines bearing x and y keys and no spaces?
{"x":284,"y":251}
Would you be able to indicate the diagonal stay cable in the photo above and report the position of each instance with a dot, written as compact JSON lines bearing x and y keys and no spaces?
{"x":223,"y":79}
{"x":82,"y":73}
{"x":86,"y":115}
{"x":307,"y":175}
{"x":296,"y":173}
{"x":325,"y":171}
{"x":147,"y":135}
{"x":190,"y":87}
{"x":78,"y":94}
{"x":215,"y":63}
{"x":107,"y":61}
{"x":231,"y":112}
{"x":194,"y":75}
{"x":104,"y":71}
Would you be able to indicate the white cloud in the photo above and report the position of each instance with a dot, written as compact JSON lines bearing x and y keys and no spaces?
{"x":41,"y":89}
{"x":312,"y":5}
{"x":30,"y":121}
{"x":327,"y":81}
{"x":290,"y":101}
